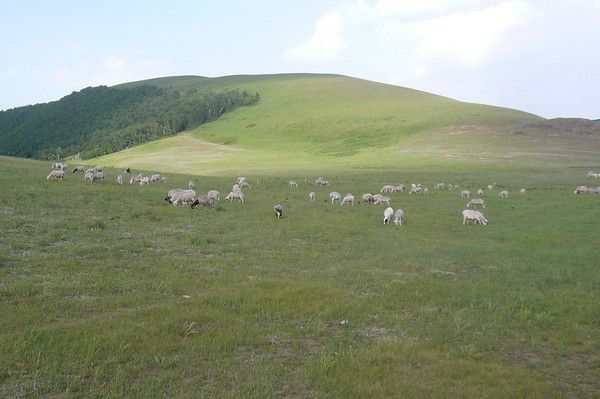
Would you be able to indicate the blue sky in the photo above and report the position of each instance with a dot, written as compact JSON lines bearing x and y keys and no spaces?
{"x":534,"y":55}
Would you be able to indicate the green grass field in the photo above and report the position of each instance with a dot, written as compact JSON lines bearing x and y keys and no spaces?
{"x":332,"y":122}
{"x":107,"y":291}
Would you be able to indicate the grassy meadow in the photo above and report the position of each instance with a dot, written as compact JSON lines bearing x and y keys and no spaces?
{"x":108,"y":291}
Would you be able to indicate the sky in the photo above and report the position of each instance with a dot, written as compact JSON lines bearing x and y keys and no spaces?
{"x":540,"y":56}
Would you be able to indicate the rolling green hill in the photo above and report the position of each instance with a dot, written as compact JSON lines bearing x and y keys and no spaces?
{"x":307,"y":121}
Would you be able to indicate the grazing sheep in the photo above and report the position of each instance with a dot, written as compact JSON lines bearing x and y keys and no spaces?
{"x":203,"y":200}
{"x":387,"y":188}
{"x":191,"y":185}
{"x":244,"y":184}
{"x":184,"y":197}
{"x":387,"y":215}
{"x":523,"y":191}
{"x":157,"y":177}
{"x":93,"y":176}
{"x":593,"y":174}
{"x":503,"y":194}
{"x":398,"y":189}
{"x":476,"y":217}
{"x":480,"y":192}
{"x":145,"y":180}
{"x":368,"y":198}
{"x":440,"y":186}
{"x":120,"y":180}
{"x":292,"y":184}
{"x":425,"y":191}
{"x":236,"y":188}
{"x":79,"y":168}
{"x":321,"y":182}
{"x":450,"y":186}
{"x":238,"y":195}
{"x":240,"y":179}
{"x":490,"y":187}
{"x":214,"y":194}
{"x":56,"y":174}
{"x":415,"y":190}
{"x":334,"y":196}
{"x":465,"y":194}
{"x":312,"y":196}
{"x":136,"y":179}
{"x":348,"y":200}
{"x":172,"y":193}
{"x":381,"y":199}
{"x":57,"y":166}
{"x":476,"y":202}
{"x":581,"y":190}
{"x":399,"y":217}
{"x":278,"y":210}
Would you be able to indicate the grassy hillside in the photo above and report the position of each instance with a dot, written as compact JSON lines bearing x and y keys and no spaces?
{"x":308,"y":121}
{"x":107,"y":291}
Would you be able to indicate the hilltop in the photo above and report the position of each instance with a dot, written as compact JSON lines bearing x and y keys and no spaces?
{"x":314,"y":121}
{"x":202,"y":125}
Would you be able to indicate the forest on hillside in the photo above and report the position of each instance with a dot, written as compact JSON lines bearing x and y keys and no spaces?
{"x":100,"y":120}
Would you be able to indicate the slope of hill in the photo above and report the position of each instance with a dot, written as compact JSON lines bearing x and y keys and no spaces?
{"x":309,"y":121}
{"x":101,"y":120}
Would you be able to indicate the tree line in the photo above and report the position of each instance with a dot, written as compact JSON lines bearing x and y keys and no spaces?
{"x":100,"y":120}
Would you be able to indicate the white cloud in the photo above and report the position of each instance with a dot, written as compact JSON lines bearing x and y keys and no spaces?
{"x":114,"y":69}
{"x":109,"y":71}
{"x":325,"y":43}
{"x":468,"y":37}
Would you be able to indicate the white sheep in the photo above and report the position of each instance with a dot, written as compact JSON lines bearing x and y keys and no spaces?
{"x":145,"y":180}
{"x":203,"y":200}
{"x":398,"y":189}
{"x":235,"y":195}
{"x":236,"y":188}
{"x":425,"y":190}
{"x":593,"y":174}
{"x":387,"y":188}
{"x":244,"y":184}
{"x":440,"y":186}
{"x":321,"y":182}
{"x":476,"y":202}
{"x":120,"y":180}
{"x":581,"y":190}
{"x":523,"y":191}
{"x":136,"y":179}
{"x":191,"y":185}
{"x":503,"y":194}
{"x":490,"y":187}
{"x":93,"y":176}
{"x":172,"y":193}
{"x":312,"y":196}
{"x":292,"y":184}
{"x":465,"y":194}
{"x":387,"y":215}
{"x":56,"y":174}
{"x":470,"y":215}
{"x":157,"y":177}
{"x":348,"y":200}
{"x":399,"y":217}
{"x":240,"y":179}
{"x":414,"y":189}
{"x":381,"y":199}
{"x":214,"y":194}
{"x":184,"y":197}
{"x":278,"y":210}
{"x":334,"y":196}
{"x":368,"y":198}
{"x":79,"y":168}
{"x":479,"y":192}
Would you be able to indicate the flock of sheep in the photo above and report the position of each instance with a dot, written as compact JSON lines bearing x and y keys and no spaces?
{"x":189,"y":196}
{"x":586,"y":189}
